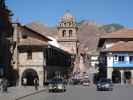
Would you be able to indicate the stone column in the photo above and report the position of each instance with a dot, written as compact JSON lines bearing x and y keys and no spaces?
{"x":109,"y":72}
{"x":122,"y":76}
{"x":19,"y":81}
{"x":131,"y":76}
{"x":21,"y":70}
{"x":41,"y":77}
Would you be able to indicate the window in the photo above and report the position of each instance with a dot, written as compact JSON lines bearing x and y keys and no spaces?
{"x":121,"y":58}
{"x":131,"y":58}
{"x":64,"y":33}
{"x":70,"y":33}
{"x":70,"y":24}
{"x":24,"y":36}
{"x":29,"y":55}
{"x":65,"y":24}
{"x":115,"y":57}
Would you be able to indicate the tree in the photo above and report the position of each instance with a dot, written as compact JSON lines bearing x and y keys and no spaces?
{"x":111,"y":27}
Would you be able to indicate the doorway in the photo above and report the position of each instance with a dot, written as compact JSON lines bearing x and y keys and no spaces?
{"x":28,"y":77}
{"x":116,"y":76}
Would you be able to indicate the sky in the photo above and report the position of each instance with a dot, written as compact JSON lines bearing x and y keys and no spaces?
{"x":49,"y":12}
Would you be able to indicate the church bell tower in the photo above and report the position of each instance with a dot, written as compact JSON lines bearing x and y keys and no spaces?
{"x":67,"y":33}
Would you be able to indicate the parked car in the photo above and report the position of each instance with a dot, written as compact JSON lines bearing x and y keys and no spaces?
{"x":104,"y":84}
{"x":57,"y":85}
{"x":86,"y":82}
{"x":76,"y":81}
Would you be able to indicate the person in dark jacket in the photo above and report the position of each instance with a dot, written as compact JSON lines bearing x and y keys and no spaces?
{"x":36,"y":83}
{"x":5,"y":85}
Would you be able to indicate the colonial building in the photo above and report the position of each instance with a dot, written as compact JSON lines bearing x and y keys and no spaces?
{"x":28,"y":56}
{"x":120,"y":62}
{"x":93,"y":57}
{"x":67,"y":33}
{"x":34,"y":57}
{"x":116,"y":55}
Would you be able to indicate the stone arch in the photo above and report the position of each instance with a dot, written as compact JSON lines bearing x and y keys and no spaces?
{"x":116,"y":76}
{"x":127,"y":76}
{"x":39,"y":71}
{"x":30,"y":75}
{"x":64,"y":33}
{"x":70,"y":33}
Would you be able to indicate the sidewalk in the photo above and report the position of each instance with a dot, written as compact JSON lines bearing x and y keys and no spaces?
{"x":17,"y":93}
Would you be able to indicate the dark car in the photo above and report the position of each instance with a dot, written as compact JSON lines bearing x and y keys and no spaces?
{"x":75,"y":81}
{"x":104,"y":84}
{"x":57,"y":85}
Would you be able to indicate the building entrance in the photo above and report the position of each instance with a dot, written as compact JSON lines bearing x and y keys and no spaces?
{"x":127,"y":76}
{"x":28,"y":77}
{"x":116,"y":76}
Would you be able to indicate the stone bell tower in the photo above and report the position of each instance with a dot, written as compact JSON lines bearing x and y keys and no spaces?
{"x":67,"y":33}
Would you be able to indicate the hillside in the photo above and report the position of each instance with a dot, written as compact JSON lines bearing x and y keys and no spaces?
{"x":89,"y":33}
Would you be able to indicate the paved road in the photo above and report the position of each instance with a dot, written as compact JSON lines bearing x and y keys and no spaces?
{"x":16,"y":92}
{"x":124,"y":92}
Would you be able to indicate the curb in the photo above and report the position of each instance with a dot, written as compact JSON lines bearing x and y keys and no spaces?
{"x":30,"y":94}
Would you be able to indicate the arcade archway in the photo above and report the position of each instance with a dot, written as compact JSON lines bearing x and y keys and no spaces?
{"x":116,"y":76}
{"x":127,"y":76}
{"x":28,"y":77}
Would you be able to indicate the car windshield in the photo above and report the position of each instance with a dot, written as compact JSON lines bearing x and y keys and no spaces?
{"x":105,"y":80}
{"x":56,"y":81}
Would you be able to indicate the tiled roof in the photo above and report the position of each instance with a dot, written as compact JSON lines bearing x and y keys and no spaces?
{"x":42,"y":29}
{"x":93,"y":52}
{"x":32,"y":42}
{"x":122,"y":46}
{"x":120,"y":34}
{"x":123,"y":33}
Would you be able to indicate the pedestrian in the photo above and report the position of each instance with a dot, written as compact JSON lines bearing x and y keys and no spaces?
{"x":36,"y":83}
{"x":5,"y":85}
{"x":0,"y":84}
{"x":24,"y":81}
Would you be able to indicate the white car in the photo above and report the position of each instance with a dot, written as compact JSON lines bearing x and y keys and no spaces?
{"x":57,"y":85}
{"x":85,"y":82}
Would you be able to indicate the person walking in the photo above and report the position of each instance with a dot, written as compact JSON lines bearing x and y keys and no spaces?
{"x":5,"y":85}
{"x":36,"y":83}
{"x":24,"y":81}
{"x":0,"y":84}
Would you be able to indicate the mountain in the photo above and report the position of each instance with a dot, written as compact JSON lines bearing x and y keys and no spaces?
{"x":89,"y":33}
